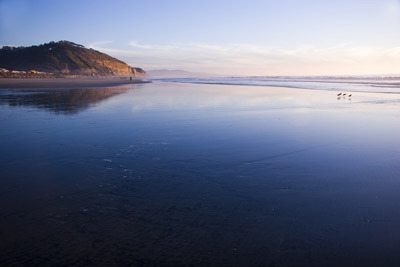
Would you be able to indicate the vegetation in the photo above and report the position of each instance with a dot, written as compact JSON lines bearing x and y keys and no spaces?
{"x":65,"y":58}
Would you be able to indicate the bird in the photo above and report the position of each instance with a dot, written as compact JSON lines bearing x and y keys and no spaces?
{"x":350,"y":95}
{"x":339,"y":94}
{"x":344,"y":94}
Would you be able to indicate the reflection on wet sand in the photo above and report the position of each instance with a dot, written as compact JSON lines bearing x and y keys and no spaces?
{"x":60,"y":101}
{"x":199,"y":175}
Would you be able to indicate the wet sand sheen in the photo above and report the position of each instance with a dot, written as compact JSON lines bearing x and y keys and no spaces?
{"x":65,"y":83}
{"x":169,"y":174}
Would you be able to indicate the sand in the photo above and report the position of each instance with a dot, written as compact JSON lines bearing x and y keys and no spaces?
{"x":173,"y":174}
{"x":64,"y":83}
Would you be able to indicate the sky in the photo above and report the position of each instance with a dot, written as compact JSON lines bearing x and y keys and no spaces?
{"x":266,"y":37}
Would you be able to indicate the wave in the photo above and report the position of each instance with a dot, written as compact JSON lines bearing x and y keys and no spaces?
{"x":384,"y":84}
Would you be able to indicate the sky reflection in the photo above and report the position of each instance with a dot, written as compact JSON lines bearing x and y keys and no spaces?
{"x":251,"y":168}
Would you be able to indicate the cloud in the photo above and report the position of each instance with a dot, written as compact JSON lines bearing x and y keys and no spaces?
{"x":136,"y":44}
{"x":250,"y":59}
{"x":99,"y":43}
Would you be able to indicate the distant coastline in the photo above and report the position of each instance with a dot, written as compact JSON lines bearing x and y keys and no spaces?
{"x":61,"y":83}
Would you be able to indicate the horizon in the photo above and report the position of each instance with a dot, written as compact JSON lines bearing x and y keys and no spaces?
{"x":261,"y":38}
{"x":205,"y":74}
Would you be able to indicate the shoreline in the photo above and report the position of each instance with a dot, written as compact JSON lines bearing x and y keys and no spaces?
{"x":63,"y":83}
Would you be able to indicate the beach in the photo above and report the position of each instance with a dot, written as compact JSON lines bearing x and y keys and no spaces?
{"x":64,"y":82}
{"x":184,"y":174}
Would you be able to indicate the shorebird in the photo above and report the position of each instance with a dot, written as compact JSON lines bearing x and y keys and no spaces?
{"x":350,"y":95}
{"x":339,"y":94}
{"x":344,"y":94}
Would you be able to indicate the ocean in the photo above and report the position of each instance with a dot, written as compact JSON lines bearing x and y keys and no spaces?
{"x":373,"y":84}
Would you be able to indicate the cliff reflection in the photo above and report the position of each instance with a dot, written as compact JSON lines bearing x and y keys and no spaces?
{"x":59,"y":101}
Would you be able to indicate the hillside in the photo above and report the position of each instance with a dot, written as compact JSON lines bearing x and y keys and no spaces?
{"x":65,"y":58}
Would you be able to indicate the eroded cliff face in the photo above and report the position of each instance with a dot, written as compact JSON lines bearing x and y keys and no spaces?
{"x":66,"y":58}
{"x":120,"y":69}
{"x":138,"y":72}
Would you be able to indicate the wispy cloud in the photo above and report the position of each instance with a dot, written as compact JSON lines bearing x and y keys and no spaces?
{"x":99,"y":44}
{"x":250,"y":59}
{"x":136,"y":44}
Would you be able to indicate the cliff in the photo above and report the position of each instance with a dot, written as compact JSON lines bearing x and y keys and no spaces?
{"x":65,"y":58}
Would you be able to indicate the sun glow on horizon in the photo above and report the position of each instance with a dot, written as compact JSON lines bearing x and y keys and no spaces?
{"x":249,"y":59}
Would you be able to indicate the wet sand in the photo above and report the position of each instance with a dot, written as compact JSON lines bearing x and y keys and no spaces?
{"x":65,"y":82}
{"x":166,"y":174}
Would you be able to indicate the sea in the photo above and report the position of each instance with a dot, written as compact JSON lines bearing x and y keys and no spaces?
{"x":373,"y":84}
{"x":227,"y":171}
